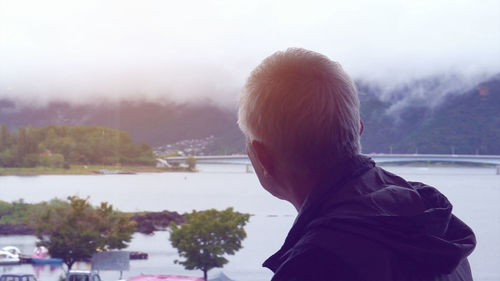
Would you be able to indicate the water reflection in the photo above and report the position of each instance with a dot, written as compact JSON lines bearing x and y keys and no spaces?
{"x":47,"y":270}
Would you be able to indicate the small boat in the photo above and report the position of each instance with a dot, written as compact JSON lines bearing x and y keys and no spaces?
{"x":11,"y":249}
{"x":6,"y":257}
{"x":47,"y":261}
{"x":41,"y":256}
{"x":16,"y":252}
{"x":138,"y":256}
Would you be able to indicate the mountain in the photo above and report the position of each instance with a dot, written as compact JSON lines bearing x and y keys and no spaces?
{"x":432,"y":115}
{"x":465,"y":124}
{"x":461,"y":121}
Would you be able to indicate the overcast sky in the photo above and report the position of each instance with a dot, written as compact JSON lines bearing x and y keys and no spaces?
{"x":184,"y":49}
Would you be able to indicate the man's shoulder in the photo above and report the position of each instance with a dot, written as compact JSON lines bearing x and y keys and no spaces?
{"x":314,"y":263}
{"x":336,"y":254}
{"x":378,"y":226}
{"x":308,"y":261}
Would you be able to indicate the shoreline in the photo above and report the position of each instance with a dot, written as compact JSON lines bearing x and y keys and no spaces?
{"x":90,"y":170}
{"x":146,"y":223}
{"x":135,"y":169}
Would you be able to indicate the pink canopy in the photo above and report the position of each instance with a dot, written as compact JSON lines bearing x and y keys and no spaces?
{"x":41,"y":252}
{"x":164,"y":278}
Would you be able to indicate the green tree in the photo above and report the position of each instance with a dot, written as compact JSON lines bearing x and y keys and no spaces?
{"x":207,"y":236}
{"x":191,"y":162}
{"x":29,"y":147}
{"x":57,"y":160}
{"x":15,"y":212}
{"x":77,"y":230}
{"x":5,"y":137}
{"x":30,"y":160}
{"x":7,"y":158}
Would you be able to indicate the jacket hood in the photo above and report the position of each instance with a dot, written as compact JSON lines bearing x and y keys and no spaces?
{"x":372,"y":211}
{"x":433,"y":238}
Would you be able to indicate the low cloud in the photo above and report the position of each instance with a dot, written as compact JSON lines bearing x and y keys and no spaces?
{"x":92,"y":50}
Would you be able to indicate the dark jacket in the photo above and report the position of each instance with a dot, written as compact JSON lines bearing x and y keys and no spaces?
{"x":370,"y":224}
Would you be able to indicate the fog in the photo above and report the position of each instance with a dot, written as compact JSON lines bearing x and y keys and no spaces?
{"x":83,"y":51}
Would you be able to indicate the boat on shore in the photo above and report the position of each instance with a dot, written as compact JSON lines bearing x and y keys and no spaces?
{"x":46,"y":261}
{"x":9,"y":255}
{"x":7,"y":258}
{"x":138,"y":255}
{"x":41,"y":256}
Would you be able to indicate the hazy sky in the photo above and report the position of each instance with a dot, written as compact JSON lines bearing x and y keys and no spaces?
{"x":183,"y":49}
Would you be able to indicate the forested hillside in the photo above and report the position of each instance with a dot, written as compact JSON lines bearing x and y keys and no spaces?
{"x":434,"y":115}
{"x":61,"y":146}
{"x":155,"y":123}
{"x":466,"y":122}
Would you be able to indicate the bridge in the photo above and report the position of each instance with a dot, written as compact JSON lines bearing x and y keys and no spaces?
{"x":378,"y":158}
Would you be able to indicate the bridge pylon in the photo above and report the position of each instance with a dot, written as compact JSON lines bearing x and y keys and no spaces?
{"x":249,"y":168}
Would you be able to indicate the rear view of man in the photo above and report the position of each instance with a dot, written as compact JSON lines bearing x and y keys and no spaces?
{"x":299,"y":112}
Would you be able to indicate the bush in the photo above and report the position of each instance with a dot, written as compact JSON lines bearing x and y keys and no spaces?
{"x":45,"y":160}
{"x":191,"y":162}
{"x":57,"y":160}
{"x":7,"y":159}
{"x":52,"y":160}
{"x":30,"y":160}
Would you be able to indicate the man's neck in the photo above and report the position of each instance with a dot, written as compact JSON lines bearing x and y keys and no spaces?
{"x":302,"y":184}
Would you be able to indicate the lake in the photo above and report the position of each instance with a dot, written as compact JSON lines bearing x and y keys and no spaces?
{"x":474,"y":192}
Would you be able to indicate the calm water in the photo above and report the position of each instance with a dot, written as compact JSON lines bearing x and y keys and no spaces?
{"x":475,"y":193}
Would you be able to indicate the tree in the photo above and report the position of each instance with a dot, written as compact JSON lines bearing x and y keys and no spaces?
{"x":207,"y":236}
{"x":191,"y":162}
{"x":7,"y":158}
{"x":26,"y":147}
{"x":5,"y":137}
{"x":29,"y":147}
{"x":77,"y":230}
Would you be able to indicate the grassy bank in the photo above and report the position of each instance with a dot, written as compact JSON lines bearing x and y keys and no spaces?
{"x":19,"y":217}
{"x":87,"y":170}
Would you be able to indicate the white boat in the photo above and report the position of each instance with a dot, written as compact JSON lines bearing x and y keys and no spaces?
{"x":13,"y":250}
{"x":8,"y":255}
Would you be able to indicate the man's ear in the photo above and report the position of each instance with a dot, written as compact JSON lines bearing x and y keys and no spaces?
{"x":362,"y":127}
{"x":263,"y":155}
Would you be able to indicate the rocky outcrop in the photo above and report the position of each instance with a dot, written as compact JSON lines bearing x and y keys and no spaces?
{"x":152,"y":221}
{"x":16,"y":229}
{"x":147,"y":223}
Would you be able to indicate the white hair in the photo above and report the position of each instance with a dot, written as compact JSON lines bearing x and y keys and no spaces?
{"x":302,"y":104}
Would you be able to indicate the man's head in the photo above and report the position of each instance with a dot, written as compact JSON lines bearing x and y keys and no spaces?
{"x":303,"y":107}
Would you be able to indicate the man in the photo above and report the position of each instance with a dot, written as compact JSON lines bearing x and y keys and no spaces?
{"x":299,"y":112}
